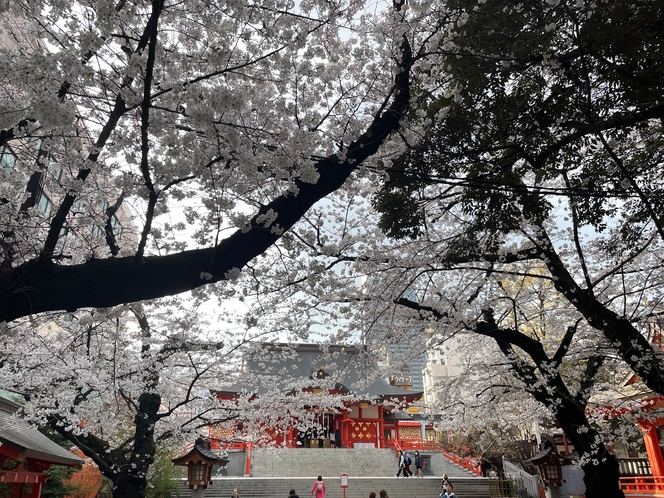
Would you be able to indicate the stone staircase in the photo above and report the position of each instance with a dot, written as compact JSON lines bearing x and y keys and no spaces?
{"x":307,"y":462}
{"x":356,"y":462}
{"x":358,"y":487}
{"x":275,"y":471}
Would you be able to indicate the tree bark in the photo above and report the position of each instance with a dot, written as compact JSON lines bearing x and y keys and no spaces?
{"x":132,"y":478}
{"x":601,"y":467}
{"x":549,"y":388}
{"x":631,"y":345}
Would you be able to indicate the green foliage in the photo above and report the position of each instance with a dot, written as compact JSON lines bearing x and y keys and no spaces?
{"x":543,"y":100}
{"x":9,"y":464}
{"x":5,"y":490}
{"x":163,"y":475}
{"x":55,"y":486}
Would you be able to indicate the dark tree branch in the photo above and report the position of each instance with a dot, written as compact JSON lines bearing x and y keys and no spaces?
{"x":40,"y":285}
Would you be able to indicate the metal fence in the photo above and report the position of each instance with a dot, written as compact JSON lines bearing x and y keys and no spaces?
{"x":505,"y":486}
{"x":529,"y":481}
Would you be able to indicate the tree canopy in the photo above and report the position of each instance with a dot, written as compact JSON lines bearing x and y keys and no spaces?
{"x":532,"y":138}
{"x":241,"y":114}
{"x":539,"y":158}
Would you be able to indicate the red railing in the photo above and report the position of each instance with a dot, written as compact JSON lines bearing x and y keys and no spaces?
{"x":395,"y":444}
{"x":466,"y":462}
{"x":642,"y":485}
{"x":215,"y":444}
{"x":416,"y":444}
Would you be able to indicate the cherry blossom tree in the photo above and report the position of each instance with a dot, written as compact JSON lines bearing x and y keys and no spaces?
{"x":115,"y":116}
{"x":573,"y":138}
{"x":119,"y":383}
{"x":243,"y":115}
{"x":536,"y":153}
{"x":542,"y":146}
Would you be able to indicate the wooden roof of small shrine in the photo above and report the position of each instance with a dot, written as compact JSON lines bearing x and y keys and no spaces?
{"x":345,"y":369}
{"x":24,"y":438}
{"x":200,"y":452}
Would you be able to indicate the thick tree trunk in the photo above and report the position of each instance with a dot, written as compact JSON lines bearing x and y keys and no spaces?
{"x":127,"y":485}
{"x":132,"y":479}
{"x":601,"y":467}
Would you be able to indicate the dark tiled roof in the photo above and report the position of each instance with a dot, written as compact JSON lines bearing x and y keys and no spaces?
{"x":22,"y":436}
{"x":343,"y":368}
{"x":202,"y":448}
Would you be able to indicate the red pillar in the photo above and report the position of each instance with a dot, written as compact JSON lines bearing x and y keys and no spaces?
{"x":36,"y":491}
{"x":654,"y":451}
{"x":381,"y":428}
{"x":290,"y":442}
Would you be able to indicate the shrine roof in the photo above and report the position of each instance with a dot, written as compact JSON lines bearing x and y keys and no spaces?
{"x":25,"y":438}
{"x":200,"y":451}
{"x":347,"y":369}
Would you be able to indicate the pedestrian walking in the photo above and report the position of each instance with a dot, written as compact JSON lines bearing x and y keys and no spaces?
{"x":402,"y":465}
{"x":372,"y":495}
{"x":419,"y":463}
{"x":318,"y":488}
{"x":292,"y":494}
{"x":235,"y":494}
{"x":383,"y":494}
{"x":407,"y":461}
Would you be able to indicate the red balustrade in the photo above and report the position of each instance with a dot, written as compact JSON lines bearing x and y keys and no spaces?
{"x":466,"y":462}
{"x":642,"y":485}
{"x":420,"y":445}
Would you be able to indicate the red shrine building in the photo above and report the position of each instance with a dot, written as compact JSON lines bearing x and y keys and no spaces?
{"x":25,"y":454}
{"x":365,"y":422}
{"x":646,"y":409}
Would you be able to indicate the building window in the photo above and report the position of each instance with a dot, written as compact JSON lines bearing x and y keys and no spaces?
{"x":45,"y":205}
{"x":53,"y":168}
{"x":7,"y":159}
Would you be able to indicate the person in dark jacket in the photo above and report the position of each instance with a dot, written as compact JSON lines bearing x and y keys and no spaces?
{"x":292,"y":494}
{"x":419,"y":463}
{"x":407,"y":462}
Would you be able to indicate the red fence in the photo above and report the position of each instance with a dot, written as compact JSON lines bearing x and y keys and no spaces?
{"x":466,"y":462}
{"x":416,"y":444}
{"x":642,"y":485}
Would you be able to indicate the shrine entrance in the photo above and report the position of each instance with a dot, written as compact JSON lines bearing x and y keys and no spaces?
{"x":321,"y":432}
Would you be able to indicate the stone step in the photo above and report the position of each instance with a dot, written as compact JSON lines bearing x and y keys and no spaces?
{"x":303,"y":462}
{"x":358,"y":487}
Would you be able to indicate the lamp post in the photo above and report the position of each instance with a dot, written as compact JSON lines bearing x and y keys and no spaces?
{"x":549,"y":464}
{"x":199,"y":462}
